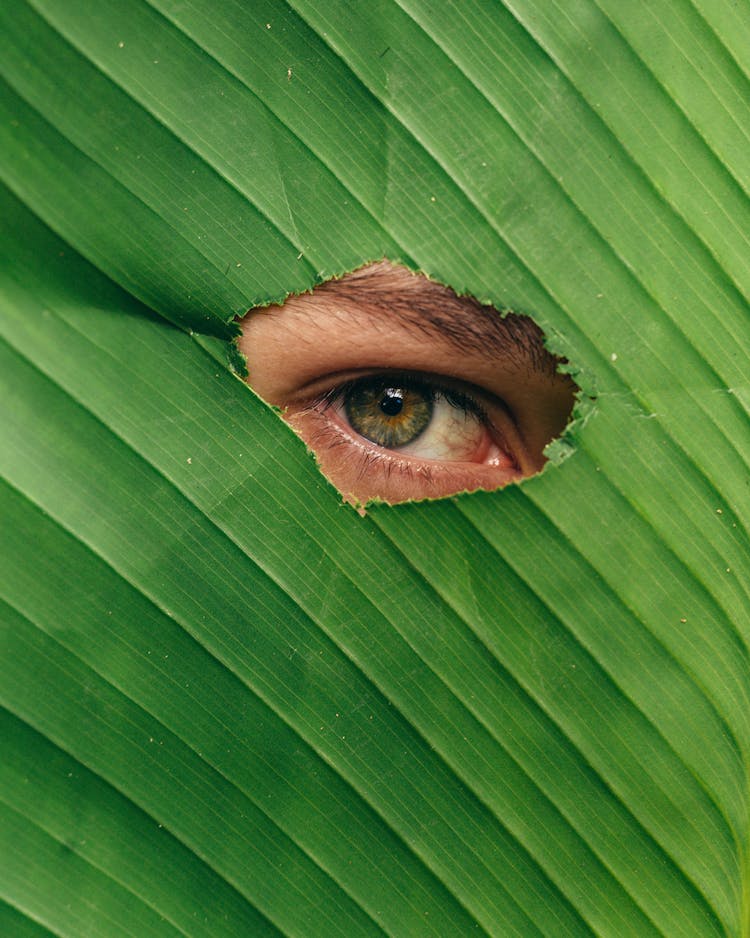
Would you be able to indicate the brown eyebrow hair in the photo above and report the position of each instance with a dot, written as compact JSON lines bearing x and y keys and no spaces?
{"x":435,"y":310}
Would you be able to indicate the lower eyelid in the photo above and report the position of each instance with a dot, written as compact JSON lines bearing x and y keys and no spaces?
{"x":359,"y":469}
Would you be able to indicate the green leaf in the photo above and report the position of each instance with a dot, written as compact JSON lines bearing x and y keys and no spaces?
{"x":233,"y":706}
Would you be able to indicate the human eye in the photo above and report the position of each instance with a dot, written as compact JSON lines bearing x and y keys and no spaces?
{"x":414,"y":416}
{"x":415,"y":420}
{"x":367,"y":374}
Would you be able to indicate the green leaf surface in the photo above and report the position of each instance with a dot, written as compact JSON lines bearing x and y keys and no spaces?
{"x":234,"y":706}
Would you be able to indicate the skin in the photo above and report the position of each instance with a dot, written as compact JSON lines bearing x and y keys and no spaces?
{"x":384,"y":320}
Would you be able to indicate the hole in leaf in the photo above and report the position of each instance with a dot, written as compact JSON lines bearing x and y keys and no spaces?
{"x":405,"y":390}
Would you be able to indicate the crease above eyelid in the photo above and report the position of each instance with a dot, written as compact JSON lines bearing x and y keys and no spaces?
{"x":337,"y":382}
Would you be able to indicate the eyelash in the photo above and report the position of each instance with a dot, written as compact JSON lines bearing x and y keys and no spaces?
{"x":432,"y":389}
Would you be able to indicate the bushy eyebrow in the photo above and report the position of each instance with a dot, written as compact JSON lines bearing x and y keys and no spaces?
{"x":437,"y":312}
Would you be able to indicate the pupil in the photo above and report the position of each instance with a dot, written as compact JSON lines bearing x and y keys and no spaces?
{"x":392,"y":402}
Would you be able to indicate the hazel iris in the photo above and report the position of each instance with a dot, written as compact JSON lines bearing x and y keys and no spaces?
{"x":389,"y":416}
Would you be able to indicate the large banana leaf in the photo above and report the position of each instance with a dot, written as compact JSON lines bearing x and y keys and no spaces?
{"x":233,"y":706}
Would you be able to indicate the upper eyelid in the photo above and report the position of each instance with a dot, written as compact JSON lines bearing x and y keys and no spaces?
{"x":338,"y":382}
{"x":433,"y":387}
